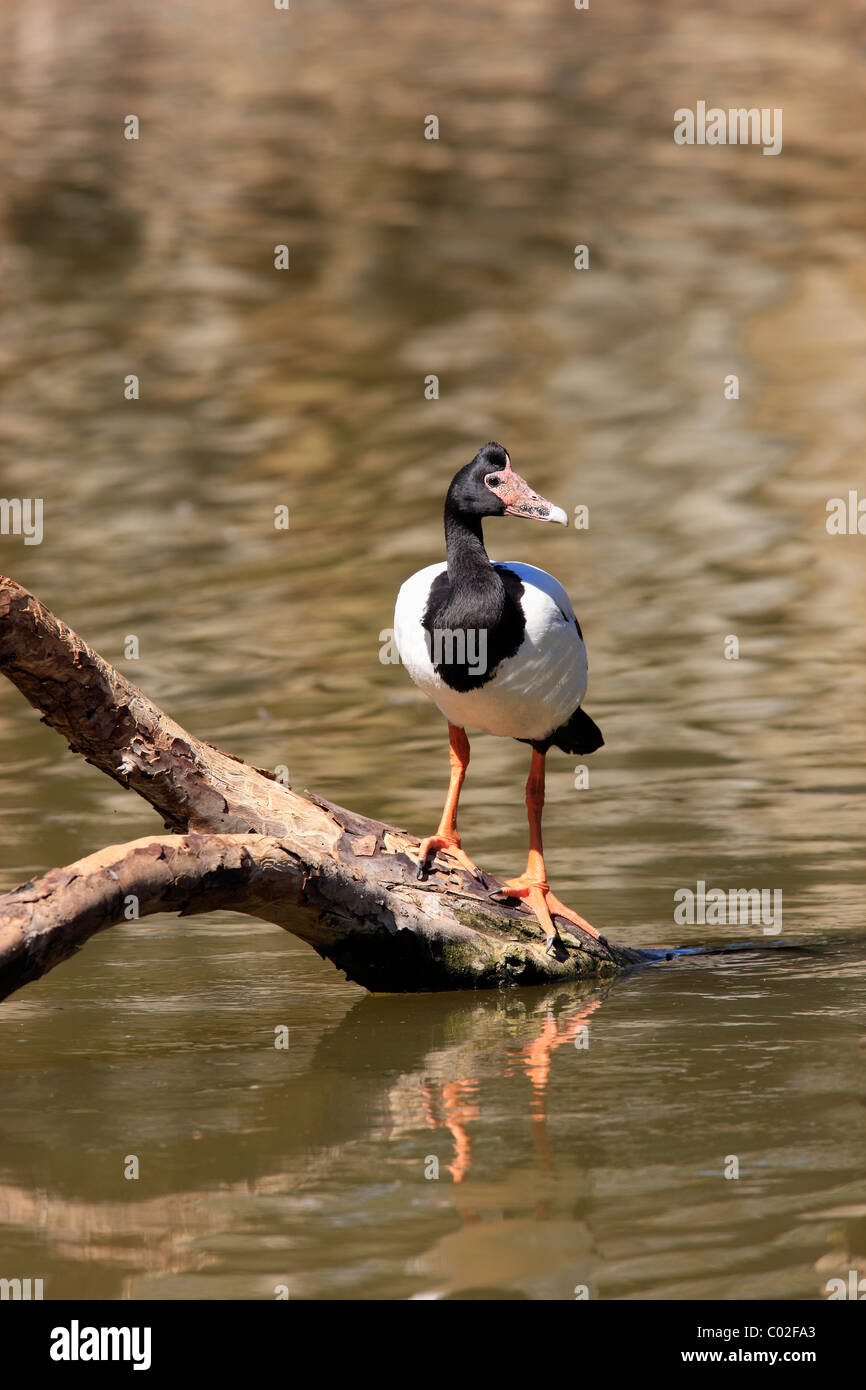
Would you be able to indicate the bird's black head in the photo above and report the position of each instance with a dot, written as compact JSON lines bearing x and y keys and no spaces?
{"x":488,"y":486}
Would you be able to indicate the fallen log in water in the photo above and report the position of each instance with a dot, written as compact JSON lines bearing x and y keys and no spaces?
{"x":242,"y":841}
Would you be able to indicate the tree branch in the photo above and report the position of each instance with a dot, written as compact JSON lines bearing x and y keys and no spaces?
{"x":340,"y":881}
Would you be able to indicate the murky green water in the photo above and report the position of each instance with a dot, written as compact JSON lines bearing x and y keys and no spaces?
{"x":582,"y":1137}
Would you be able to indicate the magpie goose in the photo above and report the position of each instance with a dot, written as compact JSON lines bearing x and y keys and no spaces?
{"x":497,"y":647}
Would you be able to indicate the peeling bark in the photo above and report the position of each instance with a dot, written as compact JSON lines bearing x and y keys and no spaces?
{"x":340,"y":881}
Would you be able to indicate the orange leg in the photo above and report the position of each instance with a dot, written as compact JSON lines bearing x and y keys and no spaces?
{"x":531,"y":886}
{"x":446,"y":837}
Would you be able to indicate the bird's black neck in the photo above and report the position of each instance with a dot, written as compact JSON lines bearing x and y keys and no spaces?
{"x":469,"y":566}
{"x":476,"y":598}
{"x":477,"y":592}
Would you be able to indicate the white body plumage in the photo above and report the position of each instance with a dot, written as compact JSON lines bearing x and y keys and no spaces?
{"x":530,"y":693}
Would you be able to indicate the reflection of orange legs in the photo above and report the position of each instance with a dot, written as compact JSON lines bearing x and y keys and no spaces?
{"x":459,"y":1108}
{"x":446,"y":837}
{"x":531,"y":886}
{"x":456,"y":1098}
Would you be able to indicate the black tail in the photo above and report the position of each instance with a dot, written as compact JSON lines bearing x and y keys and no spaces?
{"x":580,"y":735}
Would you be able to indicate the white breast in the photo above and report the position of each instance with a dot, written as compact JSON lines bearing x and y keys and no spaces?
{"x":531,"y":693}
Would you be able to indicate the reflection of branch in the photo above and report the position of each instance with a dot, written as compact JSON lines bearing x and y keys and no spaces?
{"x":166,"y":1231}
{"x":431,"y":1076}
{"x":162,"y":1235}
{"x":354,"y":878}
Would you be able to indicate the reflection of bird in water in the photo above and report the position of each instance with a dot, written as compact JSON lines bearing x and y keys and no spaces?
{"x":497,"y":647}
{"x":537,"y":1057}
{"x":453,"y":1105}
{"x":457,"y":1107}
{"x":500,"y":1250}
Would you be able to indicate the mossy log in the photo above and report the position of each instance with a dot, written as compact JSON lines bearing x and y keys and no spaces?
{"x":241,"y":840}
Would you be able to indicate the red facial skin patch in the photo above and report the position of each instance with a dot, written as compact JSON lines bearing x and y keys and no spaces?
{"x":518,"y":496}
